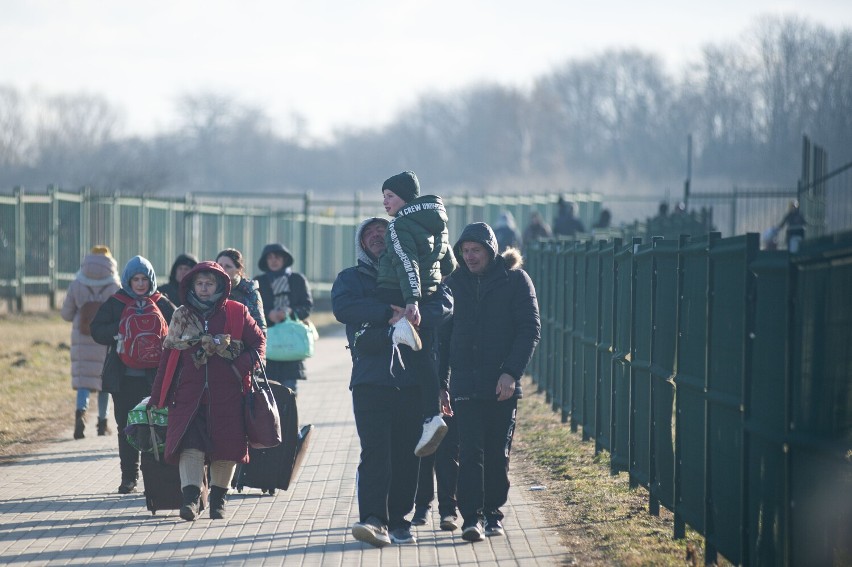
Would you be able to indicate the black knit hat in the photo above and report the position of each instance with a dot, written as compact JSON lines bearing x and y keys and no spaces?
{"x":404,"y":185}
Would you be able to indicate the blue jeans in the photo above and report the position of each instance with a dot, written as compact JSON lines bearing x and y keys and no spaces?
{"x":103,"y":401}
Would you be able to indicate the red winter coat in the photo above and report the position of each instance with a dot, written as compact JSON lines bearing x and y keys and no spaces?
{"x":214,"y":387}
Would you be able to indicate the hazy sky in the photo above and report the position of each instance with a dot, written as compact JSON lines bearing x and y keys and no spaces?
{"x":342,"y":63}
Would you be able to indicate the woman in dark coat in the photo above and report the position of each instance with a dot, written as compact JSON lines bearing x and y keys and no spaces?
{"x":128,"y":386}
{"x":285,"y":293}
{"x":216,"y":343}
{"x":182,"y":264}
{"x":243,"y":290}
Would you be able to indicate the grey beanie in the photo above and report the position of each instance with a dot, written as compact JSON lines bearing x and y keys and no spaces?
{"x":404,"y":185}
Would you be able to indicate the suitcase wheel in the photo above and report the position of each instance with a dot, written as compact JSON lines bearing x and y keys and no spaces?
{"x":272,"y":492}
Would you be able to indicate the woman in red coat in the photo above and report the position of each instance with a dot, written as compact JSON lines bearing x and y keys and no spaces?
{"x":215,"y":347}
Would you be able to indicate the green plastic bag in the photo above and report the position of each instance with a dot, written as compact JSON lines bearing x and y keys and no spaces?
{"x":290,"y":340}
{"x":146,"y":428}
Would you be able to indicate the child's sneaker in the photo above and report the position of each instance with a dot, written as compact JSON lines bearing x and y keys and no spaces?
{"x":434,"y":429}
{"x":405,"y":334}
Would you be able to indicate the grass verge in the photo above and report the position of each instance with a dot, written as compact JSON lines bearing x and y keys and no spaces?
{"x":600,"y":518}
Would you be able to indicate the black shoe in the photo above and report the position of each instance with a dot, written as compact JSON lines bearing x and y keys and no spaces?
{"x":217,"y":502}
{"x":421,"y":516}
{"x":472,"y":532}
{"x":127,"y":486}
{"x":79,"y":424}
{"x":191,"y":502}
{"x":103,"y":427}
{"x":493,"y":527}
{"x":402,"y":536}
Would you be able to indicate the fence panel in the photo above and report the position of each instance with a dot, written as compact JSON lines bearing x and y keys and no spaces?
{"x":690,"y":381}
{"x":766,"y":410}
{"x":731,"y":324}
{"x":580,"y":250}
{"x":8,"y":246}
{"x":663,"y":343}
{"x":604,"y":365}
{"x":640,"y":366}
{"x":591,"y":320}
{"x":624,"y":278}
{"x":567,"y":275}
{"x":533,"y":264}
{"x":821,"y":412}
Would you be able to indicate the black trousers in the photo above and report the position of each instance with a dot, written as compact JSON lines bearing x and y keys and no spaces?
{"x":422,"y":364}
{"x":445,"y":464}
{"x":486,"y":428}
{"x":387,"y":473}
{"x":132,"y":389}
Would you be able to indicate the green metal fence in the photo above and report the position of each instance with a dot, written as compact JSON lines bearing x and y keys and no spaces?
{"x":44,"y":236}
{"x":728,"y":383}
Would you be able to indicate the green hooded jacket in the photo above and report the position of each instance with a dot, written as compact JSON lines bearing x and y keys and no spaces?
{"x":418,"y":251}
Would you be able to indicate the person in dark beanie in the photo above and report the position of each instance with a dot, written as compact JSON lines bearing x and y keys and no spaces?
{"x":181,"y":266}
{"x":382,"y":397}
{"x":284,"y":293}
{"x":417,"y":256}
{"x":485,"y":348}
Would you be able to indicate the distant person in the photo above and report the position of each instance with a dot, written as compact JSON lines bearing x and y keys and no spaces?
{"x":795,"y":222}
{"x":284,"y":293}
{"x":565,"y":223}
{"x":94,"y":283}
{"x":417,"y":255}
{"x":506,"y":231}
{"x":536,"y":229}
{"x":604,"y":220}
{"x":182,"y":264}
{"x":130,"y":381}
{"x":243,"y":289}
{"x":663,"y":210}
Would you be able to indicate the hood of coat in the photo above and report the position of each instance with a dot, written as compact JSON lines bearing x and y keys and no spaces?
{"x":481,"y":233}
{"x":274,"y":247}
{"x":360,"y":254}
{"x":99,"y":269}
{"x":222,"y":278}
{"x":138,"y":265}
{"x":421,"y":210}
{"x":181,"y":260}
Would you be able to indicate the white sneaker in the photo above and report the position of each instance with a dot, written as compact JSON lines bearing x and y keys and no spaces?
{"x":405,"y":334}
{"x":372,"y":532}
{"x":434,"y":429}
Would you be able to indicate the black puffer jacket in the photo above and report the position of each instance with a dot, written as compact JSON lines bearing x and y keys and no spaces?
{"x":495,"y":325}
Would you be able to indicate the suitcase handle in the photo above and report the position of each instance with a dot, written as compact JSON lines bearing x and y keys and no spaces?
{"x":153,"y":435}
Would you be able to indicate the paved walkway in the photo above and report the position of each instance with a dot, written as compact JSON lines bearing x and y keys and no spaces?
{"x":58,"y":506}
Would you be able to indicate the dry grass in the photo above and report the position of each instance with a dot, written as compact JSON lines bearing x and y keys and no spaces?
{"x":600,"y":518}
{"x":36,"y":398}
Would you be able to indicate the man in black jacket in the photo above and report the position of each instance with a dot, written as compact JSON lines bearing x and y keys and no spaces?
{"x":385,"y":404}
{"x":484,"y":350}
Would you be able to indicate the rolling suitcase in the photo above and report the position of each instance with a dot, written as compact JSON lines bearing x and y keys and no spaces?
{"x":162,"y":484}
{"x":276,"y":468}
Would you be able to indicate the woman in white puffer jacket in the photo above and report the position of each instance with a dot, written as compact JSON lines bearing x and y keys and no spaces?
{"x":96,"y":280}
